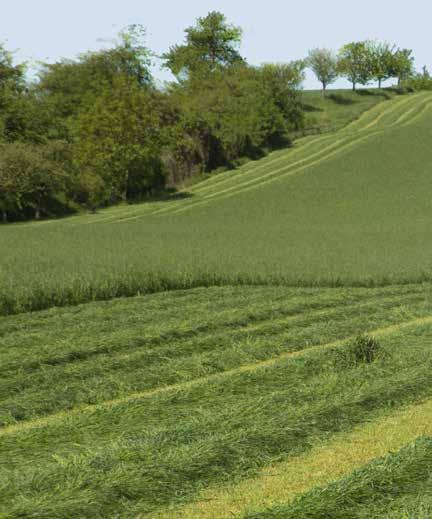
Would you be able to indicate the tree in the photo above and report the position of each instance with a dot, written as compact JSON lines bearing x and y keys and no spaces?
{"x":354,"y":63}
{"x":381,"y":61}
{"x":12,"y":85}
{"x":324,"y":64}
{"x":282,"y":82}
{"x":118,"y":137}
{"x":69,"y":83}
{"x":211,"y":44}
{"x":402,"y":64}
{"x":91,"y":190}
{"x":29,"y":177}
{"x":14,"y":177}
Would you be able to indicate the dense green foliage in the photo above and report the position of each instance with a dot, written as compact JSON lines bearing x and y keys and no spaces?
{"x":127,"y":138}
{"x":202,"y":396}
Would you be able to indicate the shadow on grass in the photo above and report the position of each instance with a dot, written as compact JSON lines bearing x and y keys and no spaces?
{"x":340,"y":99}
{"x":311,"y":108}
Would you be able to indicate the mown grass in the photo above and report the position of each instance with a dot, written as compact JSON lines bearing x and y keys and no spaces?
{"x":276,"y":485}
{"x":326,"y":213}
{"x":217,"y":411}
{"x":396,"y":486}
{"x":61,"y":359}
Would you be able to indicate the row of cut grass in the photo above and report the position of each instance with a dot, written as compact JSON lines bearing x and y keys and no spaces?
{"x":396,"y":486}
{"x":278,"y":484}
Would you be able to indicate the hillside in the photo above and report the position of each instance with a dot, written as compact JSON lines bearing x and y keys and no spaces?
{"x":325,"y":213}
{"x":234,"y":382}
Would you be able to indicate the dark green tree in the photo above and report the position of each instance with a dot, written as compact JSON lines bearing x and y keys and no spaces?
{"x":118,"y":137}
{"x":210,"y":44}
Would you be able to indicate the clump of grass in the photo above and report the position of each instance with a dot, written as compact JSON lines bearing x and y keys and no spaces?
{"x":364,"y":349}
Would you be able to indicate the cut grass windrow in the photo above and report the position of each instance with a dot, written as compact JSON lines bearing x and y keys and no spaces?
{"x":327,"y":461}
{"x":397,"y":485}
{"x":185,"y":386}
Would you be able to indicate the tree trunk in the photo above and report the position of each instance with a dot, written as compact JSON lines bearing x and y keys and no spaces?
{"x":324,"y":87}
{"x":4,"y":216}
{"x":399,"y":81}
{"x":37,"y":213}
{"x":354,"y":87}
{"x":379,"y":82}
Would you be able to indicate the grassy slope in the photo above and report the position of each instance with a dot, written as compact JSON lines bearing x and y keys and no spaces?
{"x":339,"y":107}
{"x":174,"y":403}
{"x":327,"y":212}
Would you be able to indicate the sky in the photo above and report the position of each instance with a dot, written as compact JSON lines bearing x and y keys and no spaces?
{"x":274,"y":30}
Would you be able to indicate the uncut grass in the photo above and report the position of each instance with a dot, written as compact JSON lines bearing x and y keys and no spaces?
{"x":141,"y":455}
{"x":100,"y":363}
{"x":330,"y":149}
{"x":338,"y":223}
{"x":397,"y":486}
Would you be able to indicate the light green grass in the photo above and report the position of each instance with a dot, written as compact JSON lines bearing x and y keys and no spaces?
{"x":397,"y":486}
{"x":342,"y":209}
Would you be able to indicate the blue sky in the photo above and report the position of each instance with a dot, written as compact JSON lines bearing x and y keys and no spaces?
{"x":274,"y":30}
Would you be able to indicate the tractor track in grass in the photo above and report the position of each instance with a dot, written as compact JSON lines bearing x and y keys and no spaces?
{"x":249,"y":170}
{"x":184,"y":386}
{"x":241,"y":182}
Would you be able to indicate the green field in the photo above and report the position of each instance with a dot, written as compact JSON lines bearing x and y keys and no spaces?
{"x":228,"y":383}
{"x":341,"y":209}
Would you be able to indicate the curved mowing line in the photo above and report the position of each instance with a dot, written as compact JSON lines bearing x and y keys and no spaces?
{"x":182,"y":386}
{"x":274,"y":176}
{"x":360,"y":124}
{"x":290,"y":152}
{"x":203,"y":186}
{"x":217,"y":181}
{"x":323,"y":154}
{"x":180,"y":204}
{"x":268,"y":178}
{"x":280,"y":483}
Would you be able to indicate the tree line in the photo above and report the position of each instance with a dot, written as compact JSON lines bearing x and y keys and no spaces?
{"x":361,"y":63}
{"x":99,"y":129}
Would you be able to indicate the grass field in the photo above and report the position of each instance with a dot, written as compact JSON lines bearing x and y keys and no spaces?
{"x":341,"y":209}
{"x":229,"y":383}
